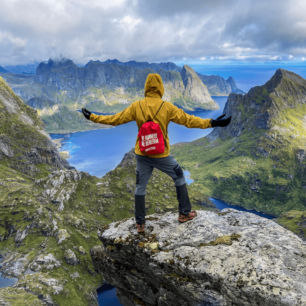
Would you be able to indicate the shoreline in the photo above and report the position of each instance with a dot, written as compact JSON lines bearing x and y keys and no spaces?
{"x":245,"y":209}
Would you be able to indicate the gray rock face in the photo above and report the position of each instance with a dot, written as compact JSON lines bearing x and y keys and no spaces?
{"x":194,"y":87}
{"x":231,"y":258}
{"x":70,"y":257}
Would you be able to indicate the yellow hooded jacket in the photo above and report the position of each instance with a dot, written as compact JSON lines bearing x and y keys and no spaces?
{"x":154,"y":90}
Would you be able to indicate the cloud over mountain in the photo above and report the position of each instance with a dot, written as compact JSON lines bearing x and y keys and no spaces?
{"x":152,"y":30}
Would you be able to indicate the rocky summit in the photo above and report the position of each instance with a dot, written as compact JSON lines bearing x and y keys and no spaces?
{"x":227,"y":258}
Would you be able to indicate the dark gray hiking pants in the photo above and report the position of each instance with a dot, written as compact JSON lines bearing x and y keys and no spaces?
{"x":145,"y":166}
{"x":168,"y":165}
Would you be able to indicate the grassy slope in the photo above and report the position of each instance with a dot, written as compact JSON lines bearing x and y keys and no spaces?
{"x":295,"y":221}
{"x":260,"y":168}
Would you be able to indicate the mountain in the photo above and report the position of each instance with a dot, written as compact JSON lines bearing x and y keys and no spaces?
{"x":23,"y":69}
{"x":218,"y":86}
{"x":2,"y":70}
{"x":168,"y":66}
{"x":258,"y":161}
{"x":50,"y":212}
{"x":102,"y":88}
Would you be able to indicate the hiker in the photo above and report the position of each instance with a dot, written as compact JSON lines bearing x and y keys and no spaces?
{"x":152,"y":110}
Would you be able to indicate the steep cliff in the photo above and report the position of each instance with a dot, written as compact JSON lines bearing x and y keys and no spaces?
{"x":24,"y":144}
{"x":258,"y":161}
{"x":230,"y":258}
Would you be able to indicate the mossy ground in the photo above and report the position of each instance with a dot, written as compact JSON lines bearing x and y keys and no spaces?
{"x":295,"y":221}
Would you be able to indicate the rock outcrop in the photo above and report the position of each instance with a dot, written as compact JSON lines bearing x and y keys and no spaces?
{"x":231,"y":258}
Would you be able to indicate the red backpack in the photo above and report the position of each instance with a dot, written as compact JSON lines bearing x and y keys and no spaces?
{"x":151,"y":138}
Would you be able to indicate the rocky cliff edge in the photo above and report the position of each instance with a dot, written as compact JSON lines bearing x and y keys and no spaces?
{"x":230,"y":258}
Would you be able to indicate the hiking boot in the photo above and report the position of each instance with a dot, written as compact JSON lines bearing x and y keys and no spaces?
{"x":140,"y":228}
{"x":183,"y":218}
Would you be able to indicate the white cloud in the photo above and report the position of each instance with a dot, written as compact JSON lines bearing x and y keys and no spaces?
{"x":203,"y":58}
{"x":158,"y":30}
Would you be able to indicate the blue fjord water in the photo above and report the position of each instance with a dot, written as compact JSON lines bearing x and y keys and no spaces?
{"x":100,"y":151}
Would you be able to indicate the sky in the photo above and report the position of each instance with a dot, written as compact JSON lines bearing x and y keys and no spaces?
{"x":199,"y":31}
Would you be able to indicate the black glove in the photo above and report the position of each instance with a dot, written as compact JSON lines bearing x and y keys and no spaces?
{"x":86,"y":113}
{"x":221,"y":122}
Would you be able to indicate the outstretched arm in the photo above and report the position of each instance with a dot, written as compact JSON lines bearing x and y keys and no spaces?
{"x":125,"y":116}
{"x":178,"y":116}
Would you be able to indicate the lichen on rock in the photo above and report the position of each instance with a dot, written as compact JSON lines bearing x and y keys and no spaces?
{"x":232,"y":258}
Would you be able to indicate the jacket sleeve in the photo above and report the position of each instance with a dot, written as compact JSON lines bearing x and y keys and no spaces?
{"x":125,"y":116}
{"x":178,"y":116}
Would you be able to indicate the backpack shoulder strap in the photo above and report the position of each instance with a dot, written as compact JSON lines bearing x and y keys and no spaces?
{"x":142,"y":113}
{"x":158,"y":110}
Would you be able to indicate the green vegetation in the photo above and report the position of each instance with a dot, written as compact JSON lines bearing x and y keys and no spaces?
{"x":295,"y":221}
{"x":257,"y":168}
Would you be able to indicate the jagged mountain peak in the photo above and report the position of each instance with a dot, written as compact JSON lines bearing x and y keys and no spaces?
{"x":55,"y":63}
{"x":60,"y":63}
{"x":284,"y":77}
{"x":263,"y":106}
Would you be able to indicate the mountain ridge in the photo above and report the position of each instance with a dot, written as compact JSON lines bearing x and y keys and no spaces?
{"x":258,"y":161}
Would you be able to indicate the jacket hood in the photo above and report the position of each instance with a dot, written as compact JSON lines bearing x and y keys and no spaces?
{"x":154,"y":86}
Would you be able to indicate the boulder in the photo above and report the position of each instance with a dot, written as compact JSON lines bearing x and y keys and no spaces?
{"x":61,"y":235}
{"x":227,"y":258}
{"x":71,"y":258}
{"x":82,"y":250}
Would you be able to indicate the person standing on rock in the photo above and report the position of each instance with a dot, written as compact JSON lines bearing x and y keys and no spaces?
{"x":153,"y":109}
